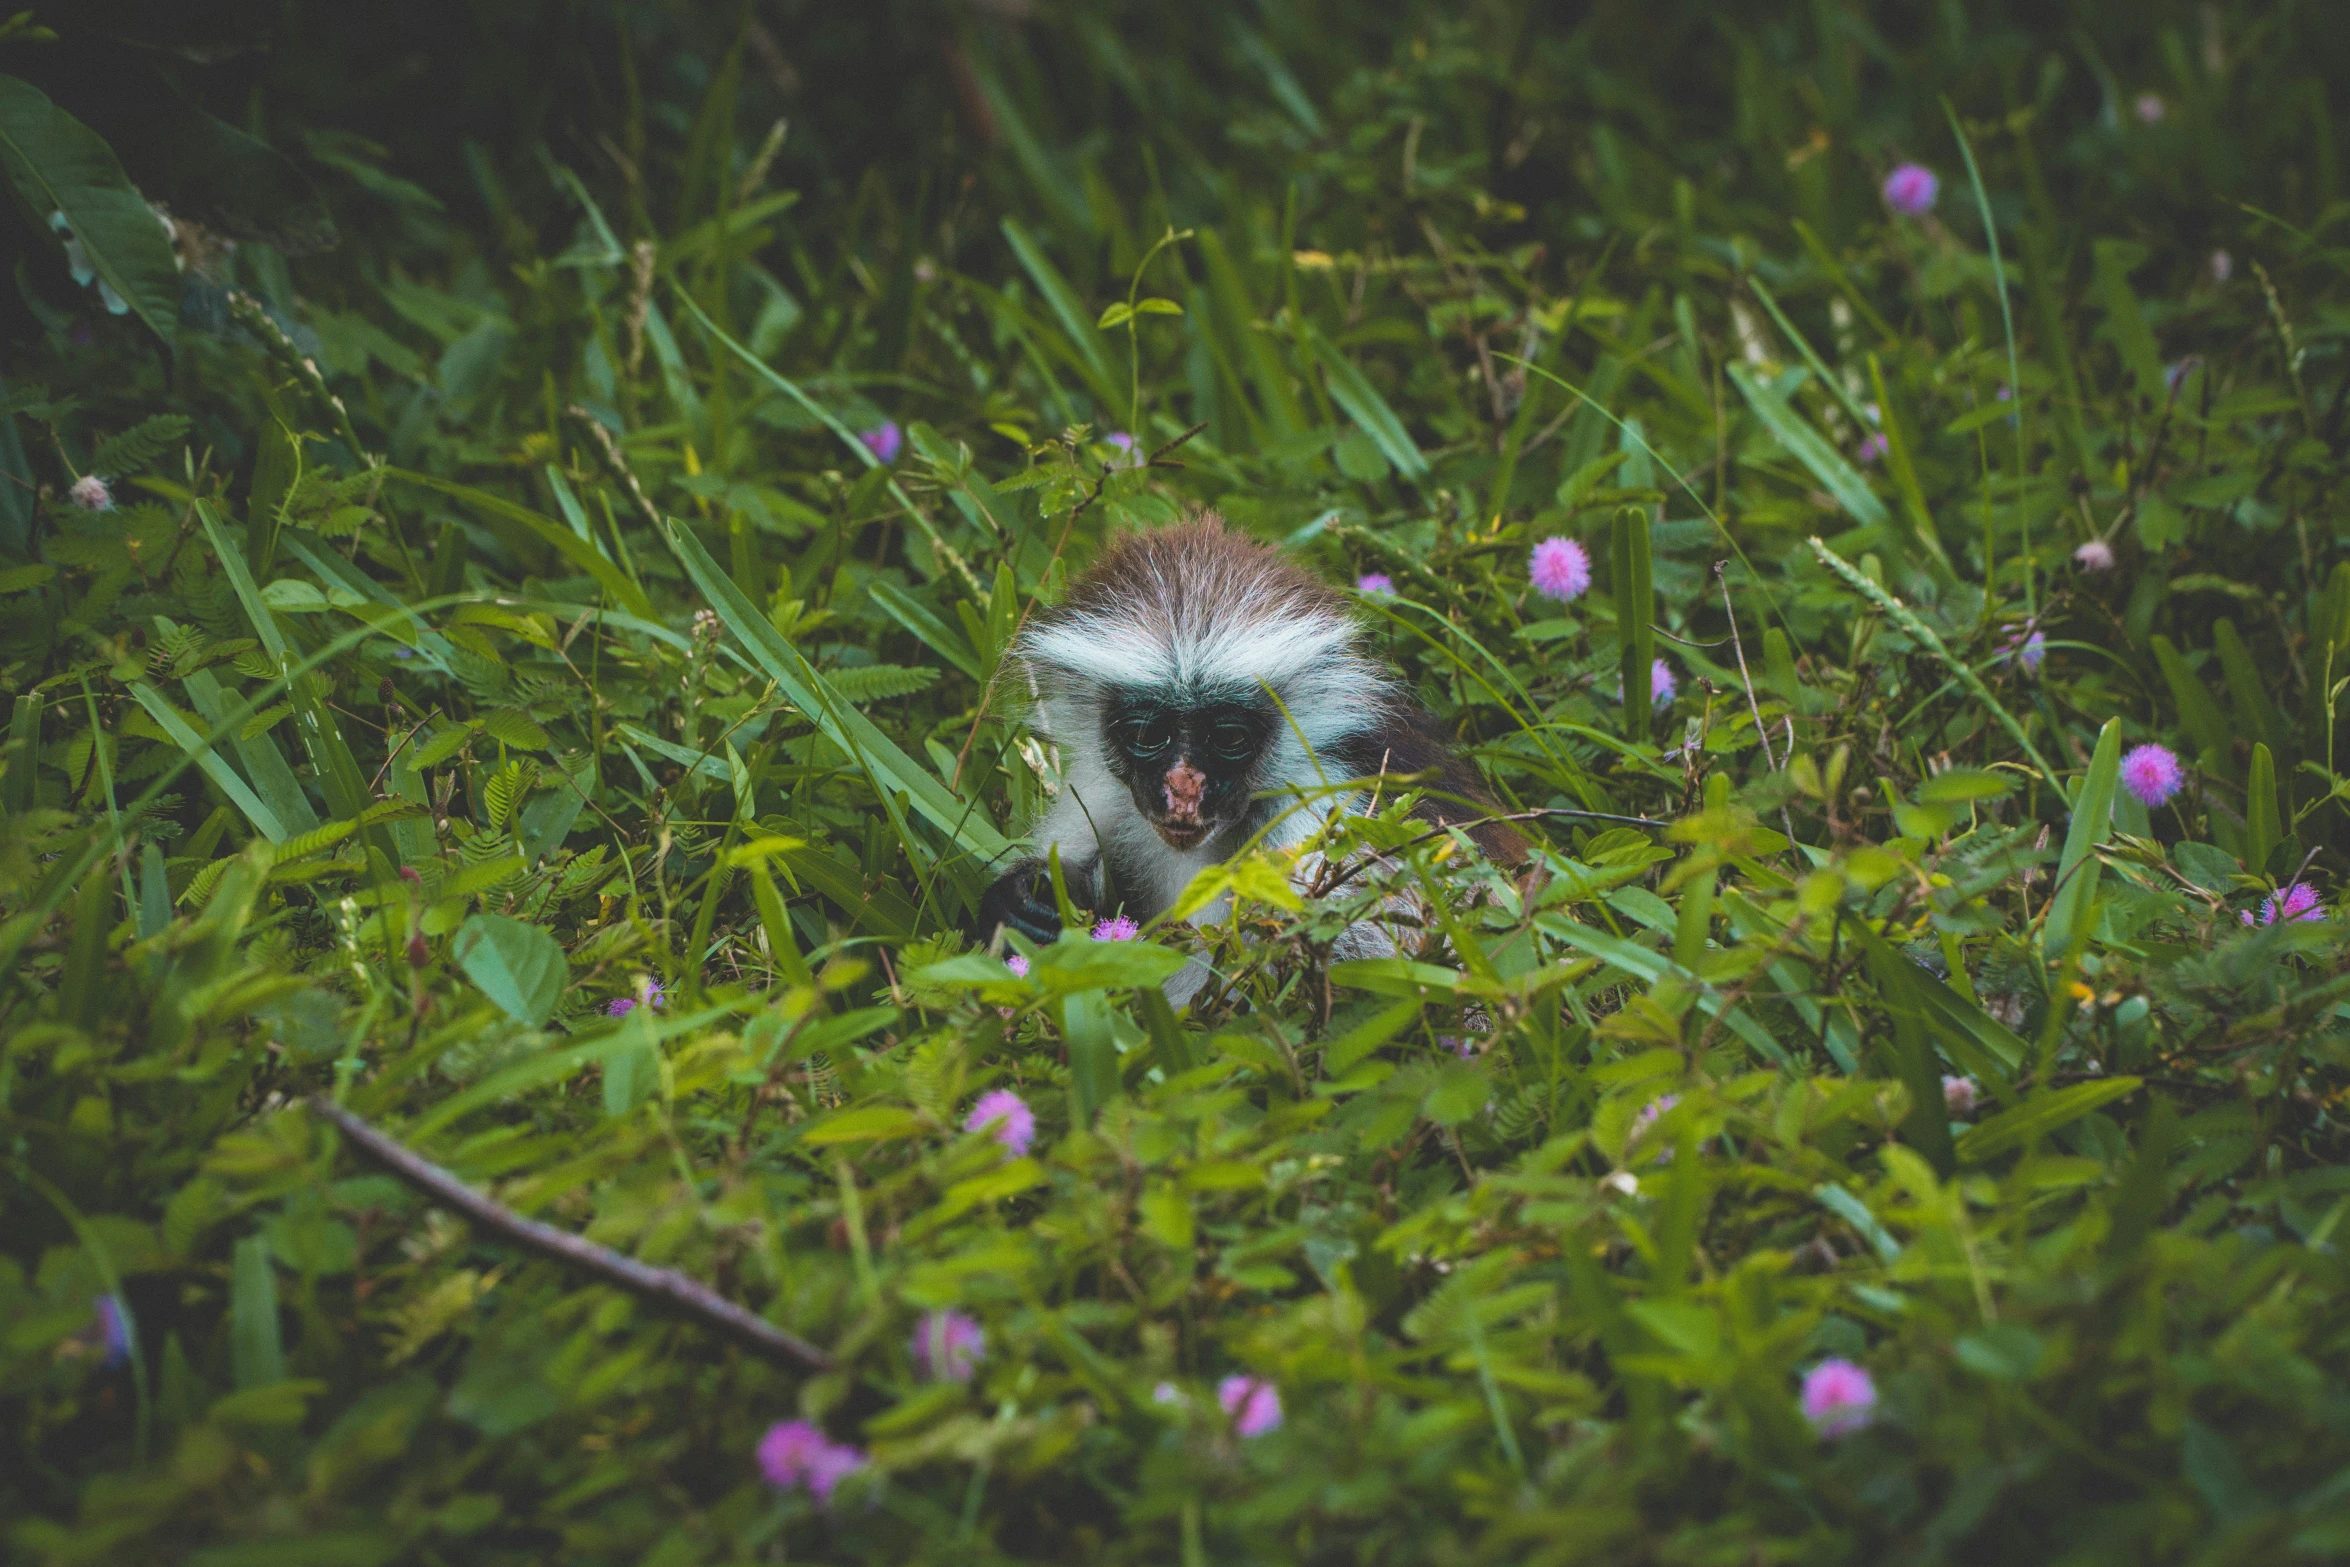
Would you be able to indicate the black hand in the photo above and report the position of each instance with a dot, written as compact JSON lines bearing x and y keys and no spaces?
{"x":1022,"y":898}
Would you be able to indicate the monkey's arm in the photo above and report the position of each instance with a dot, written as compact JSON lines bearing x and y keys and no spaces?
{"x":1022,"y":898}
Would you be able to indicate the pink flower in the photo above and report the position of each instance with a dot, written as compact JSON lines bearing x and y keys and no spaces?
{"x":621,"y":1006}
{"x":90,"y":493}
{"x":2297,"y":902}
{"x":1374,"y":582}
{"x":797,"y":1453}
{"x":1253,"y":1404}
{"x":1910,"y":190}
{"x":1007,"y":1115}
{"x":2096,"y":555}
{"x":2034,"y":649}
{"x":948,"y":1347}
{"x":885,"y":442}
{"x":1838,"y":1397}
{"x":1560,"y":569}
{"x":1128,"y":456}
{"x":1960,"y":1095}
{"x":2150,"y":108}
{"x":2152,"y":773}
{"x":1873,"y":446}
{"x":1017,"y":964}
{"x":1118,"y":929}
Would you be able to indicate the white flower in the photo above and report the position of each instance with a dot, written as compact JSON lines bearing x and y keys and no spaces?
{"x":90,"y":493}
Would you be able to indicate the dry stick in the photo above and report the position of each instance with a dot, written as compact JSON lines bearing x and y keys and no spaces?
{"x":663,"y":1286}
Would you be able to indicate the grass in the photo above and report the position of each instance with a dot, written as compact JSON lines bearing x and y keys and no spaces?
{"x":519,"y":697}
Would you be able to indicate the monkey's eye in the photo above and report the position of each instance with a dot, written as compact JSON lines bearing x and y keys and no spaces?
{"x":1232,"y":742}
{"x":1148,"y":738}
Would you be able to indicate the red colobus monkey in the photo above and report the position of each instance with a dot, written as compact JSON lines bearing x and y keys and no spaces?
{"x":1157,"y":679}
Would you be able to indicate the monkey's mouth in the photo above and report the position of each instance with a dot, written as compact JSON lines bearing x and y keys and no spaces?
{"x":1183,"y":835}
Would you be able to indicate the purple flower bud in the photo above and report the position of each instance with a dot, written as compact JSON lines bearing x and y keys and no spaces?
{"x":885,"y":442}
{"x":1253,"y":1403}
{"x":2096,"y":555}
{"x":1838,"y":1397}
{"x":1873,"y":446}
{"x":1910,"y":190}
{"x":2035,"y":649}
{"x":2152,"y":773}
{"x":1661,"y":684}
{"x":620,"y":1006}
{"x":797,"y":1453}
{"x":1374,"y":582}
{"x":1017,"y":964}
{"x":1007,"y":1117}
{"x":1960,"y":1095}
{"x":90,"y":493}
{"x":1118,"y":929}
{"x":1560,"y":569}
{"x":2297,"y":902}
{"x":948,"y":1347}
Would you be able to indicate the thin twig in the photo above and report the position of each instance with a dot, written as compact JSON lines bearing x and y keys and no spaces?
{"x":663,"y":1286}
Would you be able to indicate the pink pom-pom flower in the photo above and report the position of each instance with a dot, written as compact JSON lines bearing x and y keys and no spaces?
{"x":1560,"y":569}
{"x":797,"y":1454}
{"x":2096,"y":555}
{"x":1008,"y":1116}
{"x":1017,"y":964}
{"x":1119,"y":929}
{"x":90,"y":493}
{"x":1910,"y":190}
{"x":2297,"y":902}
{"x":1873,"y":446}
{"x":1253,"y":1403}
{"x":1838,"y":1397}
{"x":948,"y":1347}
{"x":886,"y":441}
{"x":1960,"y":1095}
{"x":1374,"y":582}
{"x":2152,"y":773}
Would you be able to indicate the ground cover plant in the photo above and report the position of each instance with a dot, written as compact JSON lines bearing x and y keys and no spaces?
{"x":509,"y":527}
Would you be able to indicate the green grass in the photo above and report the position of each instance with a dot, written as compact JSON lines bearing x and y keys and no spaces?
{"x":502,"y":615}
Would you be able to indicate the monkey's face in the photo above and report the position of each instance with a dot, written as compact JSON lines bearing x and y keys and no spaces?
{"x":1188,"y":764}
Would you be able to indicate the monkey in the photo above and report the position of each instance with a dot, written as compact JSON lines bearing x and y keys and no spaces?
{"x":1190,"y":679}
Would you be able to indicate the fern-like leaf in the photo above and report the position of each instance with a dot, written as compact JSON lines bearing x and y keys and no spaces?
{"x":881,"y":682}
{"x":139,"y":445}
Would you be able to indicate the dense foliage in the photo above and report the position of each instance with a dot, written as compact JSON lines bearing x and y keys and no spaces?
{"x":508,"y":528}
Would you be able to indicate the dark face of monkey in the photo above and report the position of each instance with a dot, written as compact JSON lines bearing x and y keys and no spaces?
{"x":1188,"y":764}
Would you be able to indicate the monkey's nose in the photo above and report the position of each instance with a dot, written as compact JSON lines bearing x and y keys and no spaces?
{"x":1186,"y":792}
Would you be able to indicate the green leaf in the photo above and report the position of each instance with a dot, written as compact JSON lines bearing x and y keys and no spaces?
{"x":869,"y":1124}
{"x":60,"y":165}
{"x":518,"y":966}
{"x":1838,"y":477}
{"x":2077,"y":869}
{"x":2262,"y":832}
{"x":890,"y":768}
{"x":1065,"y":308}
{"x":256,"y":1351}
{"x":1635,"y":602}
{"x":578,"y":551}
{"x":1352,"y":391}
{"x":2039,"y":1116}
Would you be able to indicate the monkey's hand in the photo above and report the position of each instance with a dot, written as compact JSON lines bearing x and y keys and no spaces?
{"x":1022,"y":898}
